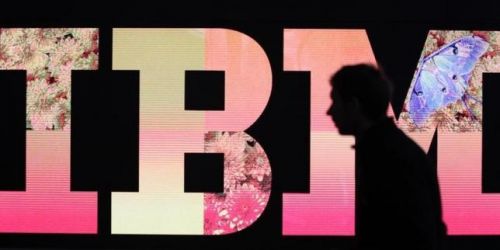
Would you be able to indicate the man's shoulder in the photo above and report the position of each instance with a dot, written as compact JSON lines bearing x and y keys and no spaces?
{"x":393,"y":145}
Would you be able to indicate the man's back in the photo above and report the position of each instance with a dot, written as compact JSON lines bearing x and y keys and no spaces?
{"x":398,"y":200}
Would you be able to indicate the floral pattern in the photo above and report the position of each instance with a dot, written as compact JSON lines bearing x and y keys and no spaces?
{"x":455,"y":117}
{"x":247,"y":183}
{"x":48,"y":56}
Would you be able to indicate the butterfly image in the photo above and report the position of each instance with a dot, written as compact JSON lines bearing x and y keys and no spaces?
{"x":442,"y":78}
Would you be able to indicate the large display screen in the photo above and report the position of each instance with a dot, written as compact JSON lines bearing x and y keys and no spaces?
{"x":444,"y":100}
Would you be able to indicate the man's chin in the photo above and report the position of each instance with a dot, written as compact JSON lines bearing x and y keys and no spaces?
{"x":344,"y":131}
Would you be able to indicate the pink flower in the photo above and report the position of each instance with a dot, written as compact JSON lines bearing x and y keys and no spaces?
{"x":233,"y":146}
{"x":216,"y":217}
{"x":211,"y":218}
{"x":247,"y":207}
{"x":38,"y":121}
{"x":49,"y":58}
{"x":257,"y":164}
{"x":247,"y":176}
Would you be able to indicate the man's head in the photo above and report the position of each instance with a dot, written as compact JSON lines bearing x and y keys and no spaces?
{"x":360,"y":96}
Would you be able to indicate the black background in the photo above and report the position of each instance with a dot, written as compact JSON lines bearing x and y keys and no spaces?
{"x":396,"y":29}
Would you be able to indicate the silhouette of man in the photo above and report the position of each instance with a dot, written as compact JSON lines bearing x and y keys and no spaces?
{"x":398,"y":204}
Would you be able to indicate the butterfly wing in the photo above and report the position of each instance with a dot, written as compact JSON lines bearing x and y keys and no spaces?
{"x":442,"y":77}
{"x":424,"y":97}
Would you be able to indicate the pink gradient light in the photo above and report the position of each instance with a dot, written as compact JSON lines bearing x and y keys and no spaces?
{"x":466,"y":210}
{"x":48,"y":205}
{"x":329,"y":207}
{"x":248,"y":79}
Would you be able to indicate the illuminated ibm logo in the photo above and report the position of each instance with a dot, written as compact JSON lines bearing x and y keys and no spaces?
{"x":168,"y":129}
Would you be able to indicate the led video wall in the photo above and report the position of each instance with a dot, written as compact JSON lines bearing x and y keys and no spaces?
{"x":445,"y":94}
